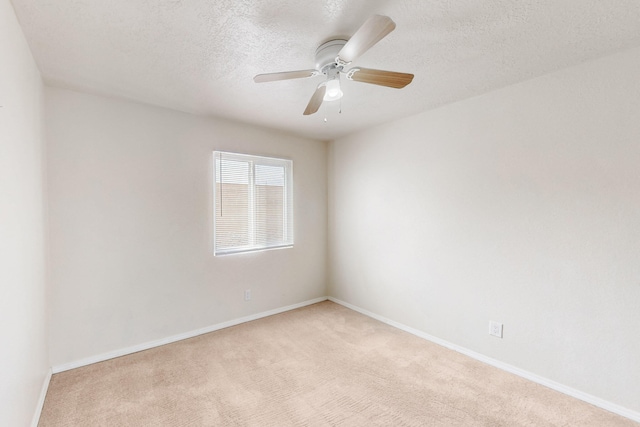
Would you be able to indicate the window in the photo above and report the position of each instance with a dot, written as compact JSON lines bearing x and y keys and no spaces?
{"x":253,"y":201}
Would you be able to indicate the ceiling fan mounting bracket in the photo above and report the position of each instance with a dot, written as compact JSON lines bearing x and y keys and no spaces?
{"x":351,"y":72}
{"x":340,"y":63}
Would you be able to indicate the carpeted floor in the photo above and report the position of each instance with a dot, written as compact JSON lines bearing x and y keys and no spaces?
{"x":321,"y":365}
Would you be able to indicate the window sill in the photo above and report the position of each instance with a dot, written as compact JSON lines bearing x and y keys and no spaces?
{"x":249,"y":250}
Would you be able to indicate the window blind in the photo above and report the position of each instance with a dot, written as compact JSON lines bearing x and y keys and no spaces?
{"x":253,"y":200}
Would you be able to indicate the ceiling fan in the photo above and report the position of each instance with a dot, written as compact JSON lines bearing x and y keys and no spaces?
{"x":333,"y":56}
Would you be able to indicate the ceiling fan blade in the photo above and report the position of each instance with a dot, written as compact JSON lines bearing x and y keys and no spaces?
{"x":370,"y":33}
{"x":380,"y":77}
{"x":286,"y":75}
{"x":316,"y":100}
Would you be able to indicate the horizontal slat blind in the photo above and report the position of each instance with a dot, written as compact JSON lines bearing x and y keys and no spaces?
{"x":253,"y":203}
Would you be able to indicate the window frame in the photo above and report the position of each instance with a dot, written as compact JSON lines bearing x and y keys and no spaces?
{"x":288,"y":223}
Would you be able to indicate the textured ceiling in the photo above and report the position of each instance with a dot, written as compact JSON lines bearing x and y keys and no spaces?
{"x":200,"y":56}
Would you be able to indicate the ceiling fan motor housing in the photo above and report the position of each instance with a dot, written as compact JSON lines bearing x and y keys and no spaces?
{"x":326,"y":55}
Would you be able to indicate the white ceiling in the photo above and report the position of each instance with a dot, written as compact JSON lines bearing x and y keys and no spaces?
{"x":200,"y":56}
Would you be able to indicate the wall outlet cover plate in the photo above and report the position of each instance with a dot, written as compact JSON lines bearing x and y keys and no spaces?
{"x":495,"y":329}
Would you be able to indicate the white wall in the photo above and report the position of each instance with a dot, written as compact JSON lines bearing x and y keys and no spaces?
{"x":520,"y":206}
{"x":23,"y":345}
{"x":131,"y":202}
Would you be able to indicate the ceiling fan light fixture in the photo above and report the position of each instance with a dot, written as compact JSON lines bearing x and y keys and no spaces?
{"x":334,"y":55}
{"x":333,"y":92}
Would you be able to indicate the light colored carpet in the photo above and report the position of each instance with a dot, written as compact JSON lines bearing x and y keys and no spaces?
{"x":322,"y":365}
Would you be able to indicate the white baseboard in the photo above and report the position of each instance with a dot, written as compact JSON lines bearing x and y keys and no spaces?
{"x":179,"y":337}
{"x":596,"y":401}
{"x":43,"y":393}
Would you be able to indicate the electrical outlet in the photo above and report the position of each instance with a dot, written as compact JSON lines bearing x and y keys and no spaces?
{"x":247,"y":295}
{"x":495,"y":329}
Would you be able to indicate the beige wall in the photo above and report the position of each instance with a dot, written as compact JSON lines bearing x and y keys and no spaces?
{"x":131,"y":225}
{"x":520,"y":206}
{"x":23,"y":345}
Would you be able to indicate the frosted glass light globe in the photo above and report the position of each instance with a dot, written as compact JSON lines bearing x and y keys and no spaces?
{"x":333,"y":92}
